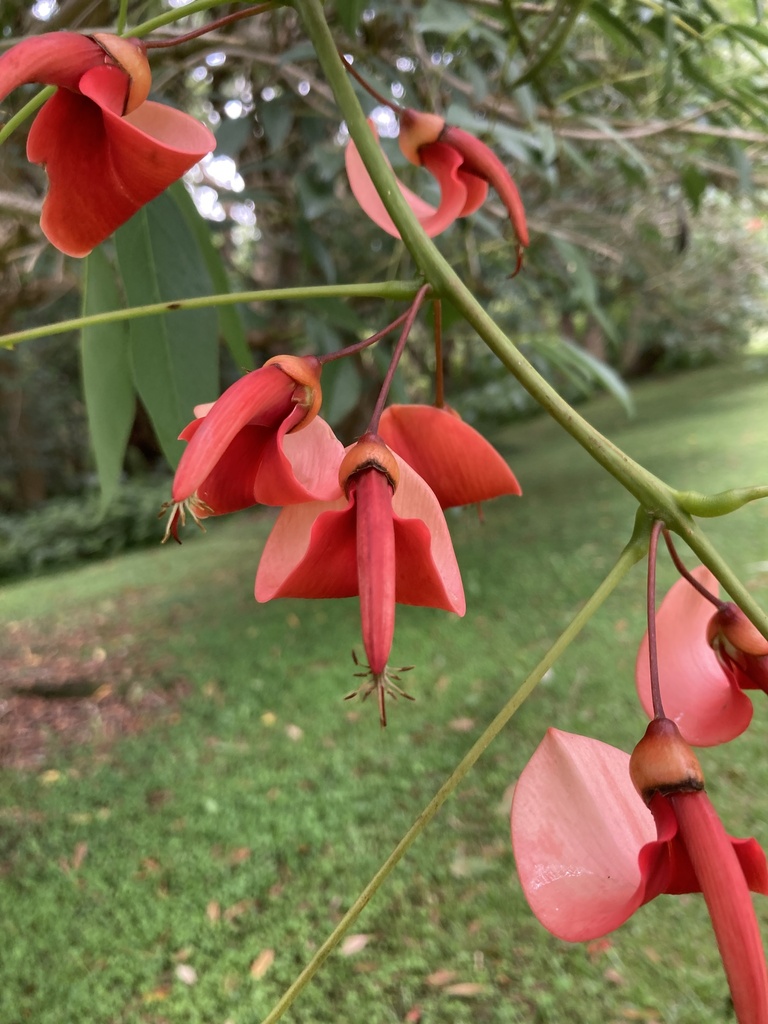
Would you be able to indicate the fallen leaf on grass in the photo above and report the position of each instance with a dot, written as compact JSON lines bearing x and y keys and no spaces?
{"x":186,"y":974}
{"x":354,"y":943}
{"x":440,"y":978}
{"x":242,"y":853}
{"x":237,"y":909}
{"x":213,"y":911}
{"x":413,"y":1016}
{"x":462,"y":724}
{"x":294,"y":732}
{"x":262,"y":963}
{"x":466,"y":989}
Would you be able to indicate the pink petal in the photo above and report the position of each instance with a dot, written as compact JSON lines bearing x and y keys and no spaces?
{"x":578,"y":827}
{"x":260,"y":398}
{"x":102,"y":167}
{"x":55,"y":58}
{"x":460,"y":466}
{"x":698,"y":694}
{"x":427,"y":570}
{"x":445,"y":166}
{"x":300,"y":466}
{"x":311,"y":552}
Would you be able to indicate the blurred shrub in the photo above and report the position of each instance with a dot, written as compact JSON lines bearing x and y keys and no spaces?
{"x":70,"y":530}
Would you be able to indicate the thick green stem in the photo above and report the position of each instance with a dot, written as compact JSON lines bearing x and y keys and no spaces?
{"x":632,"y":553}
{"x":395,"y":290}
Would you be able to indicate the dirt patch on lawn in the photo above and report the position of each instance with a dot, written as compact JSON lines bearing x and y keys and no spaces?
{"x":68,"y":685}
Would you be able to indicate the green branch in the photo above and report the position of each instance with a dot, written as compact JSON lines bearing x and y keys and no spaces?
{"x":395,"y":290}
{"x":632,"y":553}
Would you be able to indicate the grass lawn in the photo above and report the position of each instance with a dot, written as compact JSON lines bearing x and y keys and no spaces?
{"x":186,"y":871}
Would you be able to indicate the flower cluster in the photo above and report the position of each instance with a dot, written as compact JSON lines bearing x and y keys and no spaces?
{"x":597,"y":833}
{"x":366,"y":521}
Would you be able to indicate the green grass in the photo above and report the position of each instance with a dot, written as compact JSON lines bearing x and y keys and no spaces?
{"x":216,"y":806}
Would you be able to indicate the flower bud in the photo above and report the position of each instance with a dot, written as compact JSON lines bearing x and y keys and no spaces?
{"x":130,"y":55}
{"x":305,"y":370}
{"x":418,"y":129}
{"x":662,"y":762}
{"x":370,"y":452}
{"x":732,"y":624}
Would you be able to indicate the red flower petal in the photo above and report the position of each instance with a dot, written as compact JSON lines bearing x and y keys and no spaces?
{"x":460,"y":466}
{"x":730,"y":907}
{"x":262,"y":398}
{"x":698,"y":695}
{"x":102,"y":167}
{"x":445,"y":165}
{"x":479,"y":159}
{"x":578,"y":826}
{"x":371,"y":492}
{"x":55,"y":58}
{"x":312,"y":550}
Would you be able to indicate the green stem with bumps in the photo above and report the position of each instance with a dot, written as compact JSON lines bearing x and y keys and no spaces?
{"x":394,"y":290}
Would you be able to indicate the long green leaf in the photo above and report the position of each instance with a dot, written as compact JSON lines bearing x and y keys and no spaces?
{"x":230,"y":324}
{"x":174,"y":357}
{"x":110,"y":400}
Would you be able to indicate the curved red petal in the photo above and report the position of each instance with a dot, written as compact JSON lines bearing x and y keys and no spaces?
{"x":730,"y":907}
{"x":102,"y":167}
{"x":698,"y":695}
{"x":453,"y":198}
{"x":300,"y":466}
{"x":460,"y":466}
{"x":578,"y":827}
{"x":426,"y":567}
{"x":55,"y":58}
{"x":480,"y":160}
{"x":261,"y":398}
{"x":311,"y":552}
{"x":476,"y":189}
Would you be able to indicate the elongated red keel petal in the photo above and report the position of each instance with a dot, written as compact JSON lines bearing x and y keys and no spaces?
{"x":375,"y":564}
{"x":479,"y":159}
{"x":729,"y":904}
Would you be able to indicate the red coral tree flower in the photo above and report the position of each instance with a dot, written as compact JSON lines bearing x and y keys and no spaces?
{"x":385,"y":540}
{"x":463,"y":166}
{"x":107,"y":150}
{"x":261,"y":442}
{"x":590,"y":852}
{"x":460,"y":466}
{"x":706,"y":659}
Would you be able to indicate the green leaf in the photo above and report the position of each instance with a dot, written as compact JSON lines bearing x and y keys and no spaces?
{"x":174,"y":357}
{"x":342,"y":389}
{"x":350,"y":12}
{"x":613,"y":26}
{"x":230,"y":323}
{"x":110,"y":400}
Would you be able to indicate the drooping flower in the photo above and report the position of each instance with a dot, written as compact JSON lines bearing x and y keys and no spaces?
{"x":261,"y":442}
{"x":590,"y":852}
{"x":107,"y":150}
{"x":463,"y":166}
{"x":702,"y":686}
{"x":385,"y":540}
{"x":460,"y":466}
